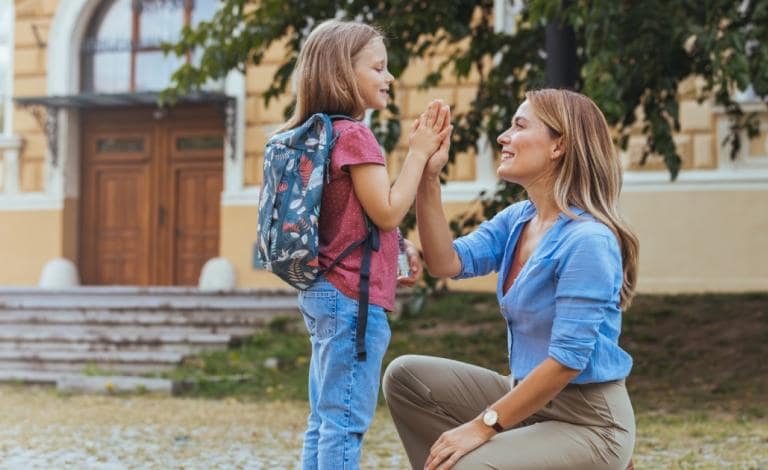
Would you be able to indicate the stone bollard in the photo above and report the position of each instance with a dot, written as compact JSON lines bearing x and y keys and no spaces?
{"x":217,"y":274}
{"x":59,"y":273}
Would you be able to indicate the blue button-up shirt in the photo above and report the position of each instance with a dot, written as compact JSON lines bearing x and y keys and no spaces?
{"x":564,"y":304}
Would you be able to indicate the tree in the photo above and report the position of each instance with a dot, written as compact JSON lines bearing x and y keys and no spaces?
{"x":631,"y":55}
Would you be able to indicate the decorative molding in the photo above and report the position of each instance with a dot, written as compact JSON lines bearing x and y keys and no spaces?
{"x":234,"y":157}
{"x":10,"y":141}
{"x":66,"y":35}
{"x":694,"y":180}
{"x":248,"y":196}
{"x":29,"y":202}
{"x":669,"y":285}
{"x":10,"y":146}
{"x":465,"y":191}
{"x":8,"y":104}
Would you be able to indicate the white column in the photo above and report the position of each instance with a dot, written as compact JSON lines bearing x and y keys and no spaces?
{"x":10,"y":147}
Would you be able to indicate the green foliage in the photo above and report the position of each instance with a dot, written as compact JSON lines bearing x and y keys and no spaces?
{"x":631,"y":54}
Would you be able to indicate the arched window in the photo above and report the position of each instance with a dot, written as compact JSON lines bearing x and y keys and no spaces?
{"x":6,"y":73}
{"x":121,"y":52}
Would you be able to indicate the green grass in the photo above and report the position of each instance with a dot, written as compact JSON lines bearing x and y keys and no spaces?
{"x":699,"y":383}
{"x":691,"y":351}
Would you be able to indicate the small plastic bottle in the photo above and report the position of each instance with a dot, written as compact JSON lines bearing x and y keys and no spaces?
{"x":403,"y":267}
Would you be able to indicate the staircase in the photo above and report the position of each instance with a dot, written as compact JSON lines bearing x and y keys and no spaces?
{"x":49,"y":336}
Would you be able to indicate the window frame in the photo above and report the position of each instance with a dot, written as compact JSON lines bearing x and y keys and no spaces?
{"x":89,"y":51}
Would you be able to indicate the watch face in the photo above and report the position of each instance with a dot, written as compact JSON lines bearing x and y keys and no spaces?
{"x":490,"y":417}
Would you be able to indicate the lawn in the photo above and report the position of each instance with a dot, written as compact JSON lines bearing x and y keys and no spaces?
{"x":699,"y":383}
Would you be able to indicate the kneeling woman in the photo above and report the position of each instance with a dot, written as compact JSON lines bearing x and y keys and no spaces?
{"x":567,"y":269}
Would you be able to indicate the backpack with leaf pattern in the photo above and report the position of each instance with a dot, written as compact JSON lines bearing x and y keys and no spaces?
{"x":296,"y":165}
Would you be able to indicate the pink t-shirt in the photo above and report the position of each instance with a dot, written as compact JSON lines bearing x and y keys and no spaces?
{"x":342,"y":222}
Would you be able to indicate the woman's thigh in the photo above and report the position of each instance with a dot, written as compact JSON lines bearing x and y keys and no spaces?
{"x":461,"y":390}
{"x":584,"y":427}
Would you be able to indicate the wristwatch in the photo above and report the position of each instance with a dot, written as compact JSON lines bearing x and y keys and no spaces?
{"x":491,"y":419}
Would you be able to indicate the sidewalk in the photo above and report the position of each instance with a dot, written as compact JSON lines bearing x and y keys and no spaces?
{"x":40,"y":428}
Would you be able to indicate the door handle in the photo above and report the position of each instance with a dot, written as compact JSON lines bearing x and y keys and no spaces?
{"x":161,"y":216}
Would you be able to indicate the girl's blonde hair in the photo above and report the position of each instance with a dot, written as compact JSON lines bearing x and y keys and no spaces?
{"x":588,"y":174}
{"x":325,"y":76}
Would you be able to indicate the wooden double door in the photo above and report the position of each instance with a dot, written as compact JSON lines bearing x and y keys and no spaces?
{"x":151,"y":186}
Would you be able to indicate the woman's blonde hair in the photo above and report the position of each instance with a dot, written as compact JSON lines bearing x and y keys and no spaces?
{"x":588,"y":174}
{"x":325,"y":76}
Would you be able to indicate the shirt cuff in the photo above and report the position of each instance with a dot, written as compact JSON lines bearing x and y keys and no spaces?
{"x":463,"y":251}
{"x":569,"y":358}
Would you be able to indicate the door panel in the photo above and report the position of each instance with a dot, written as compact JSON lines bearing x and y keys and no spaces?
{"x":150,"y":195}
{"x":196,"y":236}
{"x":121,"y":222}
{"x":115,"y":196}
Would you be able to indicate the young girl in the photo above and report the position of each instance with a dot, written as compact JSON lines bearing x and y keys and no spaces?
{"x":342,"y":69}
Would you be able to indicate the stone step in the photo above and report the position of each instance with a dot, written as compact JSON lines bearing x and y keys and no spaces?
{"x":124,"y":368}
{"x":126,"y":362}
{"x":112,"y":384}
{"x":127,"y":335}
{"x":137,"y":317}
{"x":147,"y":298}
{"x":33,"y":376}
{"x":122,"y":333}
{"x":93,"y":345}
{"x":49,"y":334}
{"x":92,"y":357}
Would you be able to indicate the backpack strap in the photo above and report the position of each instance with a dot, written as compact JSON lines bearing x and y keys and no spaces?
{"x":336,"y":117}
{"x":371,"y":244}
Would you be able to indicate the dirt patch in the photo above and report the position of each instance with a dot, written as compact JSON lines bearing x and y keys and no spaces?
{"x":691,"y":350}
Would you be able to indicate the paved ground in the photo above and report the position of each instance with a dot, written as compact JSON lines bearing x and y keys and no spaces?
{"x":42,"y":429}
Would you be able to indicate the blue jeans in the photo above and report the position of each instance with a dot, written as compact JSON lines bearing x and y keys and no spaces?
{"x":342,"y":390}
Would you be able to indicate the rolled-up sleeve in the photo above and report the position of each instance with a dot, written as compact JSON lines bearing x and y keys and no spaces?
{"x":588,"y":287}
{"x":482,"y":251}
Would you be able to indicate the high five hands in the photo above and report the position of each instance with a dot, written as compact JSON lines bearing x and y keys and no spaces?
{"x":431,"y":134}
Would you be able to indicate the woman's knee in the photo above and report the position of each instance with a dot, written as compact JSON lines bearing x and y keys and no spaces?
{"x":400,"y":372}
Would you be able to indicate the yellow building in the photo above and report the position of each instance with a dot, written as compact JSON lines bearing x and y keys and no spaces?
{"x":92,"y":171}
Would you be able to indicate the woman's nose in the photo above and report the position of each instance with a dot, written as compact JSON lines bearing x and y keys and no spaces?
{"x":503,"y":137}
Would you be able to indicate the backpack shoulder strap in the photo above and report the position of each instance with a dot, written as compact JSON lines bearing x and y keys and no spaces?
{"x":343,"y":117}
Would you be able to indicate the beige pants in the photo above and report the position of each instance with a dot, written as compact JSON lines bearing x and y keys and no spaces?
{"x":584,"y":427}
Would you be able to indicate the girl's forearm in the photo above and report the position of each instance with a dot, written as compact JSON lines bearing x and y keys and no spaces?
{"x":403,"y":191}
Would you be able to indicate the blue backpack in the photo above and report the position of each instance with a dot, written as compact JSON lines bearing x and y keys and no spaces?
{"x":295,"y":168}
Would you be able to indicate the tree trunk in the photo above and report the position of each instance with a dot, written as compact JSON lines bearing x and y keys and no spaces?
{"x":562,"y":66}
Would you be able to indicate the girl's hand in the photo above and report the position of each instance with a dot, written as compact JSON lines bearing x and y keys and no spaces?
{"x":429,"y":130}
{"x":414,"y":263}
{"x":456,"y":443}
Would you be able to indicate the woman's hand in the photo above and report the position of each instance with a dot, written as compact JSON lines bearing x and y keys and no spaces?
{"x":429,"y":130}
{"x":440,"y":158}
{"x":456,"y":443}
{"x":414,"y":263}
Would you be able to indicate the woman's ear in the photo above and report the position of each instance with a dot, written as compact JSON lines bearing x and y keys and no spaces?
{"x":558,"y":148}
